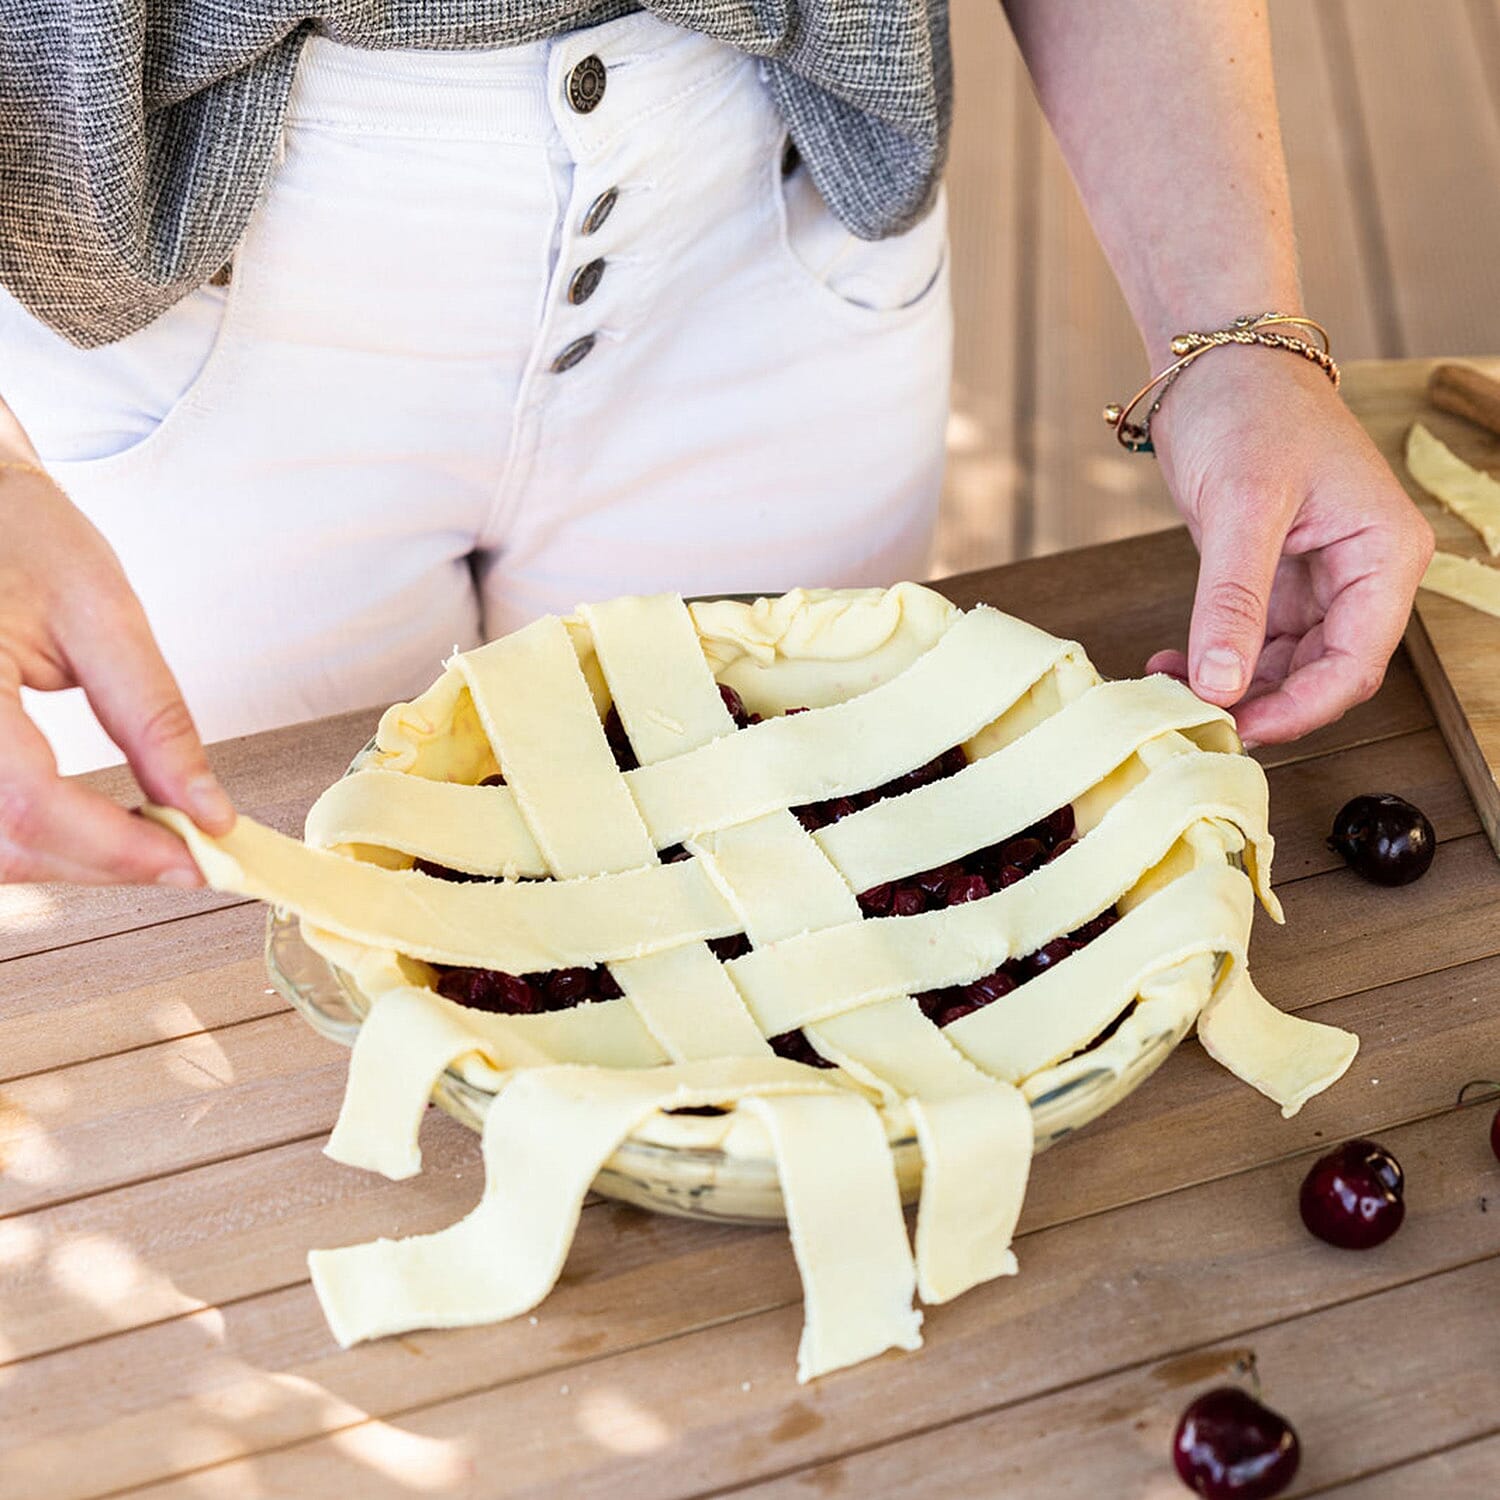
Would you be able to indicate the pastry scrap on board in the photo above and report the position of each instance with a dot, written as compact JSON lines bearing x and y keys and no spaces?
{"x":1474,"y":497}
{"x":826,"y":871}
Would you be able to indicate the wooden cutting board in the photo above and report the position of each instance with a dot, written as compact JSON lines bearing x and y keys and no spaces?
{"x":1455,"y":649}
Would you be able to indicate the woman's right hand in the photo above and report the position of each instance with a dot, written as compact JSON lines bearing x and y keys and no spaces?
{"x":68,"y":618}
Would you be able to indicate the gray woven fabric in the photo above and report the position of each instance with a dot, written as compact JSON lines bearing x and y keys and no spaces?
{"x":135,"y":135}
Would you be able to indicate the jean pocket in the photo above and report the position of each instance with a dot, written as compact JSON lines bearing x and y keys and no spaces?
{"x":111,"y":405}
{"x":870,"y":278}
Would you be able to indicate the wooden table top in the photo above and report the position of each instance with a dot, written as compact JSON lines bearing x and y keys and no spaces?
{"x":161,"y":1181}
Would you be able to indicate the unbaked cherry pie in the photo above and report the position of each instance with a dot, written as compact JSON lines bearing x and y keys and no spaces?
{"x":806,"y":873}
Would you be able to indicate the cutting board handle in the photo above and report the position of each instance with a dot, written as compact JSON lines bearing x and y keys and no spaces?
{"x":1466,"y":392}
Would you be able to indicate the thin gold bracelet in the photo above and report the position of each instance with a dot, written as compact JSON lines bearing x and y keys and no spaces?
{"x":1255,"y":329}
{"x":21,"y":466}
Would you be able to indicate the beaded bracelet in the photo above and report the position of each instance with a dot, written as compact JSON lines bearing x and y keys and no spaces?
{"x":1136,"y":436}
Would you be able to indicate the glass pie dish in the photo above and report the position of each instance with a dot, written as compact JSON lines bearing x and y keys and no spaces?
{"x":693,"y":1177}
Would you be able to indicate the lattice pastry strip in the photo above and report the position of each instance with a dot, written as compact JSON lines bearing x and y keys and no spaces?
{"x":1159,"y":806}
{"x":529,"y":691}
{"x":782,"y":884}
{"x":545,"y":1139}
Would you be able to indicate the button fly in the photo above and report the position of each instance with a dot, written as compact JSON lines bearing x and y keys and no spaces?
{"x":586,"y":85}
{"x":574,"y":354}
{"x":585,"y":282}
{"x":598,"y":211}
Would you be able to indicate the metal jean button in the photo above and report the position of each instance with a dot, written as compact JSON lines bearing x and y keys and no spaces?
{"x":598,"y":211}
{"x":585,"y":282}
{"x":574,"y":354}
{"x":586,"y":81}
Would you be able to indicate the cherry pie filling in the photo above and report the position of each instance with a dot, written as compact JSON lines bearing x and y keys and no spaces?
{"x":968,"y":879}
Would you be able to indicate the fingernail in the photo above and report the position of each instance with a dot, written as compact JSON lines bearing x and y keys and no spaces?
{"x":207,"y":801}
{"x":180,"y":877}
{"x":1250,"y":744}
{"x":1220,"y":670}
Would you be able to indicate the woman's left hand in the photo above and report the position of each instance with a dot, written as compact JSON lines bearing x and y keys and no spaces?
{"x":1310,"y":550}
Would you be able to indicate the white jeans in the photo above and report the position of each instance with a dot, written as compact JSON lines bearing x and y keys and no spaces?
{"x":360,"y":455}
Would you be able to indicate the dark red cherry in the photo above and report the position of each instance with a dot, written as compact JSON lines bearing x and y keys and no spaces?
{"x":517,"y":995}
{"x":1045,"y":957}
{"x":736,"y":945}
{"x":568,"y":987}
{"x":1059,"y":849}
{"x":1101,"y":924}
{"x":951,"y":762}
{"x":1026,"y":853}
{"x":619,"y":741}
{"x":1490,"y":1090}
{"x":457,"y":985}
{"x":876,"y":902}
{"x":1230,"y":1447}
{"x":1008,"y":875}
{"x":838,"y":807}
{"x":606,"y":986}
{"x":491,"y":990}
{"x":932,"y":882}
{"x":989,"y":988}
{"x":493,"y":779}
{"x":673,"y":854}
{"x":1057,"y":826}
{"x":932,"y":1003}
{"x":1352,"y":1197}
{"x":735,"y":704}
{"x":907,"y":901}
{"x":795,"y":1047}
{"x":811,"y":816}
{"x":1384,"y":838}
{"x":940,"y":766}
{"x":957,"y":1010}
{"x":963,"y":888}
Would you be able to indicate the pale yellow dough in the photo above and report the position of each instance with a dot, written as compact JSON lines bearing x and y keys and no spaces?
{"x":891,"y":679}
{"x":1465,"y":579}
{"x":1472,"y":495}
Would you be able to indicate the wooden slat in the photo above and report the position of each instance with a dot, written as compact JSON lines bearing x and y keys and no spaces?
{"x":1195,"y":1123}
{"x":976,"y":526}
{"x":1469,"y":1469}
{"x":212,"y":1235}
{"x":1430,"y":167}
{"x":674,"y":1418}
{"x":161,"y":1109}
{"x":1448,"y":1368}
{"x":1343,"y":934}
{"x":176,"y":979}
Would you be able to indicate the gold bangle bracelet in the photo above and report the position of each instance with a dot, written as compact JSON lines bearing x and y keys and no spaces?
{"x":1257,"y":329}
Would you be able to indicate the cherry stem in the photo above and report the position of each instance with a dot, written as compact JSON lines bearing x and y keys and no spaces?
{"x":1247,"y":1369}
{"x":1488,"y":1084}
